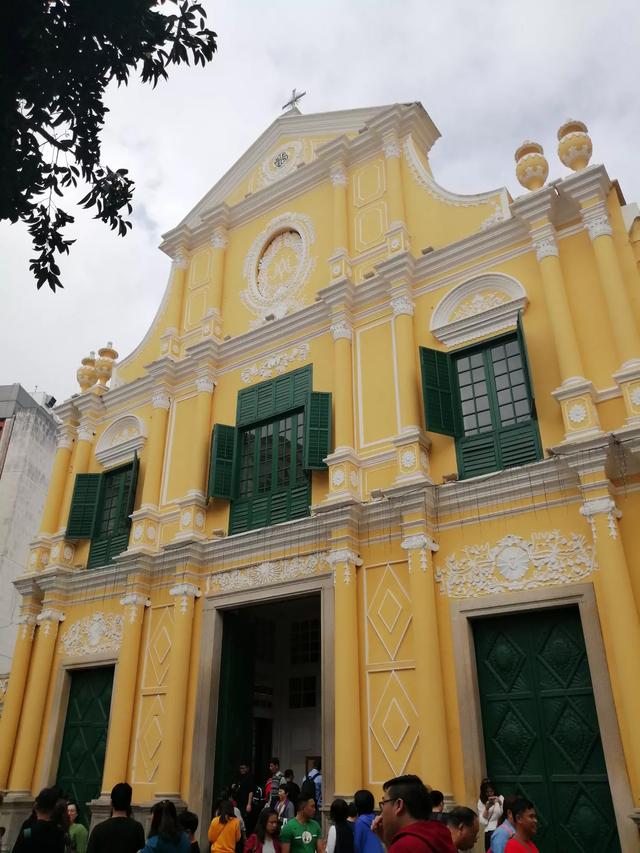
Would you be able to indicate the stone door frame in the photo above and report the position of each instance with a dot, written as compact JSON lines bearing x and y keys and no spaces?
{"x":463,"y":612}
{"x":206,"y":710}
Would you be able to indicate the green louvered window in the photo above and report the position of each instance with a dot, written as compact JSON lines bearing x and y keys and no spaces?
{"x":101,"y":507}
{"x":483,"y":397}
{"x":263,"y":464}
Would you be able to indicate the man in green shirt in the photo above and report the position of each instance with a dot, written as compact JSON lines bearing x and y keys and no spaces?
{"x":302,"y":833}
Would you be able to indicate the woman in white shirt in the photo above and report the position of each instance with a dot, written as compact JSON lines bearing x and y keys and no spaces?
{"x":490,"y":806}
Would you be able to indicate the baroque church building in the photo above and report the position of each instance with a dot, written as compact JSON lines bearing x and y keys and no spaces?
{"x":365,"y":491}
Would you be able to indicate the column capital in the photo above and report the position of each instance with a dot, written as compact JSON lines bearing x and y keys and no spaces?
{"x":132,"y":601}
{"x":343,"y":555}
{"x":86,"y":429}
{"x":601,"y":506}
{"x":543,"y":240}
{"x":402,"y":305}
{"x":205,"y":384}
{"x":185,"y":591}
{"x":338,"y":175}
{"x":419,"y":541}
{"x":596,"y":220}
{"x":64,"y":436}
{"x":390,"y":145}
{"x":48,"y":616}
{"x":179,"y":260}
{"x":341,"y":329}
{"x":220,"y":238}
{"x":160,"y":400}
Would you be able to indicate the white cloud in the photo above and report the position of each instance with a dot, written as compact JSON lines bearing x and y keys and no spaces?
{"x":489,"y":74}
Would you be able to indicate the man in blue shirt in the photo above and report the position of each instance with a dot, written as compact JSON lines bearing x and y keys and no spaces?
{"x":364,"y":840}
{"x":506,"y":829}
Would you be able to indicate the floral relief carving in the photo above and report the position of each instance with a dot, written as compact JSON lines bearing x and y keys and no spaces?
{"x":408,"y":459}
{"x":479,"y":302}
{"x":265,"y":574}
{"x":514,"y":563}
{"x":635,"y":396}
{"x":275,"y":364}
{"x":100,"y":632}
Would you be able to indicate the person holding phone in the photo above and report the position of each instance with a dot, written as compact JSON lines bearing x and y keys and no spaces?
{"x":490,"y":805}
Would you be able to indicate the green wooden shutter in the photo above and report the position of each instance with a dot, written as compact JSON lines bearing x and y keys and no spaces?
{"x":439,"y":391}
{"x":221,"y":468}
{"x":519,"y":445}
{"x":477,"y":455}
{"x":131,"y":496}
{"x":525,"y":361}
{"x":274,"y":396}
{"x":317,"y":429}
{"x":83,"y":506}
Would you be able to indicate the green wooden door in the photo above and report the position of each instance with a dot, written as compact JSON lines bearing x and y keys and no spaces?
{"x":234,"y":733}
{"x":85,"y":736}
{"x":540,"y":726}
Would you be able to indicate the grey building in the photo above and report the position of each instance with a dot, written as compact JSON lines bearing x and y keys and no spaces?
{"x":27,"y":448}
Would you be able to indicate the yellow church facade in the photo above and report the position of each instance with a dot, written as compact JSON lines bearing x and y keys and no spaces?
{"x":368,"y":489}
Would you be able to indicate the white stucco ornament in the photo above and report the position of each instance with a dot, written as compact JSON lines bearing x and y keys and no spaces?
{"x":545,"y":559}
{"x":265,"y":574}
{"x":337,"y":477}
{"x":635,"y":396}
{"x":408,"y":460}
{"x":276,"y":364}
{"x":577,"y":413}
{"x":99,"y":632}
{"x":277,"y":266}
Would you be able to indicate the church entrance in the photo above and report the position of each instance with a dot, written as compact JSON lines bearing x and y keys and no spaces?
{"x":540,"y":727}
{"x":84,"y":741}
{"x":270,"y":701}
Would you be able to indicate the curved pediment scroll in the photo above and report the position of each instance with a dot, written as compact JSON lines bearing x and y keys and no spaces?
{"x":481,"y":306}
{"x":121,"y":439}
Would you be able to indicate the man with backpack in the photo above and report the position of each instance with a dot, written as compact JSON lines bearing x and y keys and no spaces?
{"x":312,"y":784}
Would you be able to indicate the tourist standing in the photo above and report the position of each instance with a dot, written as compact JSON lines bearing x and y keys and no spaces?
{"x":165,"y":833}
{"x":42,"y":835}
{"x":264,"y":839}
{"x":365,"y":841}
{"x":120,"y":832}
{"x":244,"y":790}
{"x":437,"y":806}
{"x":293,"y":789}
{"x":340,"y":835}
{"x":489,"y":809}
{"x":404,"y":819}
{"x":302,"y":832}
{"x":189,"y":823}
{"x":464,"y":827}
{"x":505,"y":830}
{"x":274,"y":782}
{"x":313,"y":777}
{"x":525,"y":824}
{"x":224,"y":832}
{"x":284,"y":806}
{"x":77,"y":832}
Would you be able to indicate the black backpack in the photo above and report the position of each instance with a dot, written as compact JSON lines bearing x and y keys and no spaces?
{"x":308,"y":787}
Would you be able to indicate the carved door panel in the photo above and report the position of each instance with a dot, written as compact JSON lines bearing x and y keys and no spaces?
{"x":85,"y":736}
{"x":540,"y":726}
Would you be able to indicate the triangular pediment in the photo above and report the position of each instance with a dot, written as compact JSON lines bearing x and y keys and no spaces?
{"x":290,"y":141}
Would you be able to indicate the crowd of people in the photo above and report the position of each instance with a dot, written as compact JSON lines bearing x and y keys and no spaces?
{"x":411,"y":818}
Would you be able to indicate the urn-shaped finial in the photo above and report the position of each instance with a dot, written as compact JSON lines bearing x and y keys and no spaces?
{"x":86,"y":374}
{"x":531,"y":165}
{"x":574,"y":144}
{"x":104,"y":364}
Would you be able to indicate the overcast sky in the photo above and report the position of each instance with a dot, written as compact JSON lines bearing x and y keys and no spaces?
{"x":489,"y":74}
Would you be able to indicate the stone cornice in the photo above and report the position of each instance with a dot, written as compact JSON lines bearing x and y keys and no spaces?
{"x":588,"y":183}
{"x":402,"y":119}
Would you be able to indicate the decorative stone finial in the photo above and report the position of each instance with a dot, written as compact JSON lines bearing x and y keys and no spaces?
{"x":86,"y":374}
{"x":574,"y":144}
{"x":532,"y":168}
{"x":104,"y":364}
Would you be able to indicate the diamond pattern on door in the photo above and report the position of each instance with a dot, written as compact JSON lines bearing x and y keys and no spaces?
{"x":84,"y":741}
{"x":540,"y":726}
